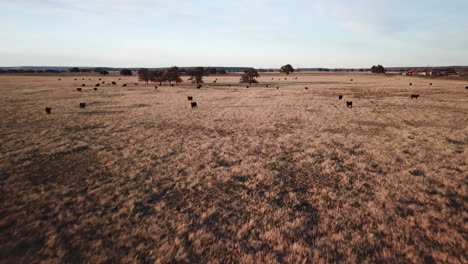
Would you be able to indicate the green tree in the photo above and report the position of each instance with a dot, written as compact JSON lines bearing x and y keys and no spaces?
{"x":249,"y":77}
{"x":287,"y":69}
{"x":378,"y":69}
{"x":126,"y":72}
{"x":74,"y":69}
{"x":158,"y":76}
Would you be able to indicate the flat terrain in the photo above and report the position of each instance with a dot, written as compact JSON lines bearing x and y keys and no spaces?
{"x":257,"y":175}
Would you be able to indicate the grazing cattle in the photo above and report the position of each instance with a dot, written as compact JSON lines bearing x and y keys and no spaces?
{"x":466,"y":87}
{"x":214,"y":81}
{"x":89,"y":79}
{"x":199,"y":86}
{"x":99,"y":78}
{"x":114,"y":83}
{"x":193,"y":104}
{"x":285,"y":78}
{"x":97,"y":84}
{"x":340,"y":97}
{"x":103,"y":82}
{"x":190,"y":98}
{"x":75,"y":79}
{"x":48,"y":110}
{"x":229,"y":85}
{"x":83,"y":85}
{"x":78,"y":89}
{"x":247,"y":86}
{"x":272,"y":78}
{"x":136,"y":83}
{"x":414,"y":96}
{"x":277,"y":88}
{"x":410,"y":84}
{"x":307,"y":88}
{"x":95,"y":89}
{"x":124,"y":85}
{"x":82,"y":105}
{"x":266,"y":86}
{"x":82,"y":79}
{"x":349,"y":104}
{"x":59,"y":79}
{"x":156,"y":87}
{"x":172,"y":85}
{"x":430,"y":84}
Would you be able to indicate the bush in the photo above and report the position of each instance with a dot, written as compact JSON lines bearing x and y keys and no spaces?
{"x":126,"y":72}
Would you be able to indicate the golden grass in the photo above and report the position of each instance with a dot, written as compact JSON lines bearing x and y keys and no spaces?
{"x":251,"y":175}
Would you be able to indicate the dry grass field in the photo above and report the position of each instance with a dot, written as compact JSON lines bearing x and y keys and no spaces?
{"x":257,"y":175}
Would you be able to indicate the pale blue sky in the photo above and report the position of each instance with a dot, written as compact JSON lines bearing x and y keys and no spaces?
{"x":258,"y":33}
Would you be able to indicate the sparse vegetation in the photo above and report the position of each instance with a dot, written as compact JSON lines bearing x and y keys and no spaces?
{"x":144,"y":75}
{"x":196,"y":74}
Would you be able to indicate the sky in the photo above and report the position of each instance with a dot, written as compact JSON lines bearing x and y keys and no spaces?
{"x":255,"y":33}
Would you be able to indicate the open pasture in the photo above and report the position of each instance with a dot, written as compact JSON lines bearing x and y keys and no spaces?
{"x":258,"y":174}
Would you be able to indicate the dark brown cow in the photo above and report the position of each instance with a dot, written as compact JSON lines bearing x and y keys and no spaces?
{"x":414,"y":96}
{"x":82,"y":105}
{"x":95,"y":89}
{"x":98,"y":84}
{"x":340,"y":97}
{"x":190,"y":98}
{"x":410,"y":84}
{"x":307,"y":88}
{"x":193,"y":104}
{"x":349,"y":104}
{"x":78,"y":89}
{"x":124,"y":85}
{"x":48,"y":110}
{"x":83,"y":85}
{"x":156,"y":87}
{"x":199,"y":86}
{"x":114,"y":83}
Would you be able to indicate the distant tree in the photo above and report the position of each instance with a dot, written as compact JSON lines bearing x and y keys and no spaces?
{"x":211,"y":71}
{"x":361,"y":70}
{"x":2,"y":71}
{"x":261,"y":70}
{"x":98,"y":70}
{"x":287,"y":69}
{"x":126,"y":72}
{"x":249,"y":77}
{"x":196,"y":74}
{"x":158,"y":76}
{"x":221,"y":71}
{"x":85,"y":70}
{"x":104,"y":72}
{"x":144,"y":75}
{"x":378,"y":69}
{"x":74,"y":69}
{"x":173,"y":75}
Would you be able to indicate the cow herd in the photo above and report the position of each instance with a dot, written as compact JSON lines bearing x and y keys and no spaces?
{"x":349,"y":104}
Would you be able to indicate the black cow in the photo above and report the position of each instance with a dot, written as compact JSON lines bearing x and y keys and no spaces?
{"x":199,"y":86}
{"x":156,"y":87}
{"x":78,"y":89}
{"x":82,"y":105}
{"x":466,"y":87}
{"x":83,"y":85}
{"x":307,"y":88}
{"x":98,"y":84}
{"x":214,"y":81}
{"x":351,"y":80}
{"x":247,"y":86}
{"x":103,"y":82}
{"x":266,"y":86}
{"x":414,"y":96}
{"x":59,"y":79}
{"x":349,"y":104}
{"x":340,"y":97}
{"x":124,"y":85}
{"x":136,"y":83}
{"x":114,"y":83}
{"x":229,"y":85}
{"x":99,"y":78}
{"x":430,"y":84}
{"x":410,"y":84}
{"x":190,"y":98}
{"x":75,"y":79}
{"x":48,"y":110}
{"x":82,"y":79}
{"x":172,"y":85}
{"x":277,"y":88}
{"x":193,"y":104}
{"x":95,"y":89}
